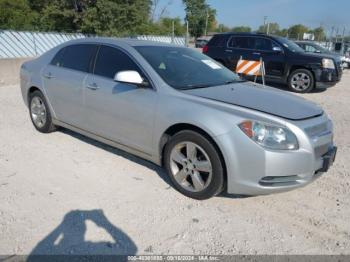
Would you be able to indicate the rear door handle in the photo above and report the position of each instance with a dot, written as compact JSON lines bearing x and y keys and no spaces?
{"x":228,"y":50}
{"x":93,"y":86}
{"x":49,"y":75}
{"x":256,"y":53}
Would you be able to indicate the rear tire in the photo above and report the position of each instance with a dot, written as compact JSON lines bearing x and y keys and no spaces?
{"x":193,"y":165}
{"x":301,"y":81}
{"x":40,"y":113}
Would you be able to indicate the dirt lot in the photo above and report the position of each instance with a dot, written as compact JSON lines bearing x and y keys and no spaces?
{"x":63,"y":193}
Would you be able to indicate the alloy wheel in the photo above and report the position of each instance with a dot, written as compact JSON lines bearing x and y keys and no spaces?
{"x":38,"y":111}
{"x":300,"y":81}
{"x":191,"y":167}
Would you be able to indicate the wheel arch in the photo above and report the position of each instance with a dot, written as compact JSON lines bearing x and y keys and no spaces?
{"x":34,"y":88}
{"x":296,"y":67}
{"x":31,"y":90}
{"x":176,"y":128}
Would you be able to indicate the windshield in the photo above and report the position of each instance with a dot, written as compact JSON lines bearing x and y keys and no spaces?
{"x":184,"y":68}
{"x":290,"y":45}
{"x":320,"y":48}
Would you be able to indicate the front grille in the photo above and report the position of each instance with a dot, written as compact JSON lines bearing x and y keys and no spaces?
{"x":339,"y":69}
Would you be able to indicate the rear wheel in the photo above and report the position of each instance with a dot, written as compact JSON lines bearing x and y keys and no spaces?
{"x":194,"y":165}
{"x":301,"y":81}
{"x":40,"y":113}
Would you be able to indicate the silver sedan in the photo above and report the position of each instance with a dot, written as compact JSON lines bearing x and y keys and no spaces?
{"x":178,"y":108}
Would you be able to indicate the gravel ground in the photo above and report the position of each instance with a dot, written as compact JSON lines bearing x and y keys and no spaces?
{"x":63,"y":193}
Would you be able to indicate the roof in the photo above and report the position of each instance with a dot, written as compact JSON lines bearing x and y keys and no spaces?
{"x":243,"y":33}
{"x":121,"y":41}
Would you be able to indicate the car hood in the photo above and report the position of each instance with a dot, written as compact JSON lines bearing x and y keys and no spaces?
{"x":263,"y":99}
{"x":320,"y":55}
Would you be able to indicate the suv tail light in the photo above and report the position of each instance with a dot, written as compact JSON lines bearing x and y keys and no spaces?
{"x":205,"y":49}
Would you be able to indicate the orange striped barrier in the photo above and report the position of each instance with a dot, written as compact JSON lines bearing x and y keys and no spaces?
{"x":251,"y":68}
{"x":247,"y":67}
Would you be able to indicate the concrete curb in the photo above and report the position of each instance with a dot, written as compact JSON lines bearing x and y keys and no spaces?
{"x":9,"y":70}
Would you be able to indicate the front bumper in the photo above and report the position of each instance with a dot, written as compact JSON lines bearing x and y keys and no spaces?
{"x":326,"y":78}
{"x":254,"y":170}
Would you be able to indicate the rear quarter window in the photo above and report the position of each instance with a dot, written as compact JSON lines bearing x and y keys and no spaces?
{"x":218,"y":40}
{"x":243,"y":42}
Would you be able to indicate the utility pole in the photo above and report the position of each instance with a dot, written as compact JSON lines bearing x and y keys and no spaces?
{"x":268,"y":28}
{"x":187,"y":34}
{"x":343,"y":42}
{"x":336,"y":35}
{"x":331,"y":38}
{"x":206,"y":22}
{"x":265,"y":18}
{"x":173,"y":32}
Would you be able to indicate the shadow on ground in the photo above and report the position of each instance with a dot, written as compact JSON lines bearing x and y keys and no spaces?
{"x":119,"y":152}
{"x":284,"y":87}
{"x":68,"y":238}
{"x":140,"y":161}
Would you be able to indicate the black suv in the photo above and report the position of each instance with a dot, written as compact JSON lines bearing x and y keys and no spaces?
{"x":285,"y":61}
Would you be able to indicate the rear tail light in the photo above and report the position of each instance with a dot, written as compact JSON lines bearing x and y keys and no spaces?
{"x":205,"y":49}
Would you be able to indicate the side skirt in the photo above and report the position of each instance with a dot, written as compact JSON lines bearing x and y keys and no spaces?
{"x":138,"y":153}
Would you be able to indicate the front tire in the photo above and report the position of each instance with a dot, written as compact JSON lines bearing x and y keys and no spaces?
{"x":193,"y":165}
{"x":301,"y":81}
{"x":40,"y":113}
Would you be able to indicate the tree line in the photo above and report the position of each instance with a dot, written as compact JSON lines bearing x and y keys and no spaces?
{"x":125,"y":17}
{"x":293,"y":32}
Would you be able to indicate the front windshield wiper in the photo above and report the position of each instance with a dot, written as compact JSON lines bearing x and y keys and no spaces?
{"x":196,"y":86}
{"x":234,"y":81}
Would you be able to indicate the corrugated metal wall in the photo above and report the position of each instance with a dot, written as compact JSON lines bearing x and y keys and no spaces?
{"x":15,"y":44}
{"x":164,"y":39}
{"x":29,"y":44}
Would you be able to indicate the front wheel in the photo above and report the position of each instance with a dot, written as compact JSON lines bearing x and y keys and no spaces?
{"x":194,"y":166}
{"x":301,"y":81}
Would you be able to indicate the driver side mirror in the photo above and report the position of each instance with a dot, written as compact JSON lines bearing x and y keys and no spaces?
{"x":130,"y":77}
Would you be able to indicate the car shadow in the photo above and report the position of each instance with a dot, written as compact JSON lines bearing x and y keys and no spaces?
{"x":68,"y":238}
{"x":233,"y":196}
{"x":284,"y":87}
{"x":161,"y":173}
{"x":159,"y":170}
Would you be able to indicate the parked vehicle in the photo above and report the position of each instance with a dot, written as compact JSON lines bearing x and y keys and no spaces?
{"x":180,"y":109}
{"x":312,"y":47}
{"x":285,"y":61}
{"x":200,"y":42}
{"x":347,"y":59}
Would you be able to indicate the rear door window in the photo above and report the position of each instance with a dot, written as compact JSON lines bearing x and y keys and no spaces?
{"x":241,"y":42}
{"x":76,"y":57}
{"x":218,"y":40}
{"x":111,"y":60}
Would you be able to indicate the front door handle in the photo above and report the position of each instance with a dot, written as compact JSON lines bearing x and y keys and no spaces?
{"x":228,"y":50}
{"x":49,"y":75}
{"x":256,"y":53}
{"x":93,"y":86}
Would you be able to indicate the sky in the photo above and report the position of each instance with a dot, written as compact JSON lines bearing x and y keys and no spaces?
{"x":312,"y":13}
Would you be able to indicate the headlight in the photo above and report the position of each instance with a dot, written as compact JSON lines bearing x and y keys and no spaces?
{"x":328,"y":63}
{"x":270,"y":136}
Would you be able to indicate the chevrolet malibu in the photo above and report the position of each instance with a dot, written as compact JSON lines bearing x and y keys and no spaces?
{"x":178,"y":108}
